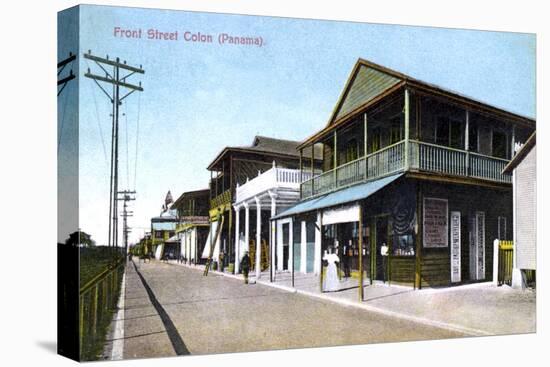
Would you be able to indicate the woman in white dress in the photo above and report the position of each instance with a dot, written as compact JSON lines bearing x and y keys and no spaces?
{"x":332,"y":283}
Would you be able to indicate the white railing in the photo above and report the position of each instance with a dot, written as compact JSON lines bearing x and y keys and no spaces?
{"x":422,"y":156}
{"x":273,"y":178}
{"x":388,"y":160}
{"x":488,"y":168}
{"x":435,"y":158}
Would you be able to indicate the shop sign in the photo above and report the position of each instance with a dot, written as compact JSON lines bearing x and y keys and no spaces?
{"x":435,"y":224}
{"x":455,"y":247}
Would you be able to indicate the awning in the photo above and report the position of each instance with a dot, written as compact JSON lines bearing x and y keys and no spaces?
{"x":348,"y":195}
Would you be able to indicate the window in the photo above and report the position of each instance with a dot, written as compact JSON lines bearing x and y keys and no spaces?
{"x":472,"y":137}
{"x":499,"y":144}
{"x":396,"y":131}
{"x":351,"y":150}
{"x":456,"y":134}
{"x":442,"y":131}
{"x":448,"y":132}
{"x":374,"y":140}
{"x":403,"y":245}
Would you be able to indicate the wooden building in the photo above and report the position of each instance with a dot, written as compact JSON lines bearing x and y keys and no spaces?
{"x":523,"y":168}
{"x":192,"y":224}
{"x":416,"y":168}
{"x":163,"y":227}
{"x":235,"y":166}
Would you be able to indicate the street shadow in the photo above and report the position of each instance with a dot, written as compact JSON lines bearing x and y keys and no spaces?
{"x":175,"y":338}
{"x":48,"y":345}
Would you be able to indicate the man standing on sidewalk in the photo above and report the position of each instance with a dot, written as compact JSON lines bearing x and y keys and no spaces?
{"x":245,"y":266}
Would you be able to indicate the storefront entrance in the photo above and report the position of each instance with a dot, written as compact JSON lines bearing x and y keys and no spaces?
{"x":380,"y":239}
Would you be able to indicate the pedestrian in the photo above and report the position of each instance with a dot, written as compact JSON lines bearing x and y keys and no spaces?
{"x":332,"y":283}
{"x":245,"y":266}
{"x":384,"y":252}
{"x":221,"y":261}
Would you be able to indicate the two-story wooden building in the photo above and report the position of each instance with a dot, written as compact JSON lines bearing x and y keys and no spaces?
{"x":192,"y":224}
{"x":414,"y":167}
{"x":234,"y":166}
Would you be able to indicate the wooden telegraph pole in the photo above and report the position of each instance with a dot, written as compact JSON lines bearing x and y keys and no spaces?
{"x":126,"y":196}
{"x":112,"y":70}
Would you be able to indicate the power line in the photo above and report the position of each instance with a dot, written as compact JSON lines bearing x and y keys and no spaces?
{"x":137,"y":140}
{"x":112,"y":75}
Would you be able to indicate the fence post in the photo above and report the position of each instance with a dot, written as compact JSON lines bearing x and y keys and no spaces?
{"x":495,"y":261}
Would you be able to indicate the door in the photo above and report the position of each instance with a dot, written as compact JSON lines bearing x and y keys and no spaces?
{"x":286,"y":252}
{"x":476,"y":235}
{"x":380,"y":238}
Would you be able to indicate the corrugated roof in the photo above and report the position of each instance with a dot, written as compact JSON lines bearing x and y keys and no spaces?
{"x":348,"y":195}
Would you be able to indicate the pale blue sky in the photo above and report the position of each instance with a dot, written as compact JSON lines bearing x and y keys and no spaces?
{"x":199,"y":98}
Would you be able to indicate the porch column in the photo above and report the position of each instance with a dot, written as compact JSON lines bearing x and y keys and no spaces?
{"x":317,"y":257}
{"x":335,"y":178}
{"x":279,"y":245}
{"x":246,"y":226}
{"x":365,"y":145}
{"x":467,"y":142}
{"x":272,"y":239}
{"x":303,"y":248}
{"x":407,"y":123}
{"x":258,"y":236}
{"x":312,"y":159}
{"x":237,"y":243}
{"x":291,"y":247}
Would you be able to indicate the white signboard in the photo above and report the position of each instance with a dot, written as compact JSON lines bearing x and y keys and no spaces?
{"x":455,"y":247}
{"x":480,"y":242}
{"x":341,"y":215}
{"x":435,"y":224}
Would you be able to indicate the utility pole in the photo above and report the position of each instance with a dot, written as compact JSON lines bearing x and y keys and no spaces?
{"x":60,"y":67}
{"x":126,"y":196}
{"x":112,"y":70}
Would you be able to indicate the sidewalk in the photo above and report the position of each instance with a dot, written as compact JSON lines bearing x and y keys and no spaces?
{"x":475,"y":309}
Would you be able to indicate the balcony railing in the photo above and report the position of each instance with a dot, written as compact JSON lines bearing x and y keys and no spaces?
{"x":275,"y":177}
{"x":423,"y":157}
{"x":221,"y":199}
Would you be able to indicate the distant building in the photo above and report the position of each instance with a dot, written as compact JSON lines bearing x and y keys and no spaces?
{"x":523,"y":168}
{"x":163,"y":227}
{"x":192,"y":227}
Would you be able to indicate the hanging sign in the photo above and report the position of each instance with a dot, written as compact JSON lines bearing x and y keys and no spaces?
{"x":455,"y":247}
{"x":435,"y":222}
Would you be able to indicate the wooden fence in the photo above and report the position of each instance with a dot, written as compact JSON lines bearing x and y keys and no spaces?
{"x":505,"y":262}
{"x":98,"y":300}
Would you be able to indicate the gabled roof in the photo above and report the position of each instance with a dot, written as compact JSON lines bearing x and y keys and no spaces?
{"x":368,"y":83}
{"x":268,"y":146}
{"x":521,"y":154}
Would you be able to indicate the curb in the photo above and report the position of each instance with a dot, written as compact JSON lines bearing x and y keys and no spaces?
{"x":118,"y":336}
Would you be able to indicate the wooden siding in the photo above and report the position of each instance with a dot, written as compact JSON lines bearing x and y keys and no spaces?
{"x":402,"y":269}
{"x":367,"y":84}
{"x":436,"y":269}
{"x":526,"y":212}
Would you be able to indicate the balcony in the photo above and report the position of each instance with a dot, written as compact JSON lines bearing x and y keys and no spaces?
{"x":274,"y":178}
{"x":221,"y":199}
{"x":422,"y":157}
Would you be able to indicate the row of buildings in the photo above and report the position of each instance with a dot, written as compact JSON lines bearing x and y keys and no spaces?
{"x":422,"y":171}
